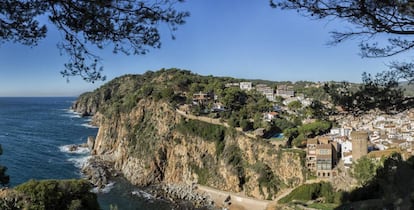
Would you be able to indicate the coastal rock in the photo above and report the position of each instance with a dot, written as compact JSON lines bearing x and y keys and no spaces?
{"x":98,"y":172}
{"x":91,"y":142}
{"x":184,"y":192}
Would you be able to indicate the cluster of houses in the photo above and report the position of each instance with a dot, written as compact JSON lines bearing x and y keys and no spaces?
{"x":203,"y":98}
{"x":284,"y":91}
{"x":372,"y":135}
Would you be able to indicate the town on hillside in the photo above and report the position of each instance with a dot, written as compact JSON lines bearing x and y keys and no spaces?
{"x":375,"y":135}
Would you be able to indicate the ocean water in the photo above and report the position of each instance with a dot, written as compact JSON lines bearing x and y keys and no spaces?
{"x":35,"y":134}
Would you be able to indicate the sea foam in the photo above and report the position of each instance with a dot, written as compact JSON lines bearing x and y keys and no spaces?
{"x":142,"y":194}
{"x":70,"y":113}
{"x":87,"y":125}
{"x":78,"y":149}
{"x":106,"y":189}
{"x":79,"y":161}
{"x":79,"y":154}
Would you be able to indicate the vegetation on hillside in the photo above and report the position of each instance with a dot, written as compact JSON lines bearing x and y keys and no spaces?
{"x":244,"y":109}
{"x":241,"y":108}
{"x":50,"y":194}
{"x":297,"y":136}
{"x":322,"y":191}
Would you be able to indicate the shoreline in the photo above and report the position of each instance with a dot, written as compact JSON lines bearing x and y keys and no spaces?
{"x":232,"y":201}
{"x":218,"y":198}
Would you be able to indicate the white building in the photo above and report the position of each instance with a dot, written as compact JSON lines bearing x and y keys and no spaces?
{"x":346,"y":146}
{"x":341,"y":131}
{"x":245,"y":86}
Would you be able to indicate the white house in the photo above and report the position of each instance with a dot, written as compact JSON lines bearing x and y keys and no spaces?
{"x":346,"y":147}
{"x":347,"y":159}
{"x":269,"y":116}
{"x":245,"y":85}
{"x":341,"y":131}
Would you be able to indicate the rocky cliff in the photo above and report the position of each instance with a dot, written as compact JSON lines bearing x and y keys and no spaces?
{"x":149,"y":142}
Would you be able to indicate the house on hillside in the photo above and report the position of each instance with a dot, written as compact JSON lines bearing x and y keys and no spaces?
{"x":246,"y":86}
{"x":311,"y":153}
{"x":325,"y":160}
{"x":269,"y":116}
{"x":341,"y":131}
{"x":321,"y":156}
{"x":234,"y":84}
{"x":267,"y":91}
{"x":202,"y":98}
{"x":285,"y":91}
{"x":218,"y":107}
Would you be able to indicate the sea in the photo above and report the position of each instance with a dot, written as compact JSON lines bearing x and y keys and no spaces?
{"x":36,"y":133}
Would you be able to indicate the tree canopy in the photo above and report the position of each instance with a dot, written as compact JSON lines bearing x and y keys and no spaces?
{"x":127,"y":26}
{"x":370,"y":19}
{"x":380,"y":92}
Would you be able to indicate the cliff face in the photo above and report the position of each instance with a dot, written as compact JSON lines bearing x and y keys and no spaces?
{"x":152,"y":143}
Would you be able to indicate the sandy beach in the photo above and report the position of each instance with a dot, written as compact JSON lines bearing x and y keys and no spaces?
{"x":236,"y":201}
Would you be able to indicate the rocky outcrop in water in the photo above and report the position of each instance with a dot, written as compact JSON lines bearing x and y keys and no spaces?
{"x":98,"y":171}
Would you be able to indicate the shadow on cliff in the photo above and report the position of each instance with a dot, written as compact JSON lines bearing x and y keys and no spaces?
{"x":391,"y":188}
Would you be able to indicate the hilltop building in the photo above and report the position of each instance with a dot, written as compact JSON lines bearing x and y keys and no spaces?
{"x":246,"y":86}
{"x":202,"y":98}
{"x":285,"y":91}
{"x":234,"y":84}
{"x":267,"y":91}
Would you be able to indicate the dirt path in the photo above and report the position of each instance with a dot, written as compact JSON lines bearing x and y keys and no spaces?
{"x":237,"y":202}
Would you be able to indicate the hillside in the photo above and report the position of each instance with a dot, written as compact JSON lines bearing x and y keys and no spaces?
{"x":143,"y":135}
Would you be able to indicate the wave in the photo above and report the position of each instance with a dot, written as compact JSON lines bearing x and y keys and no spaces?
{"x":79,"y":161}
{"x":143,"y":194}
{"x":80,"y":152}
{"x":87,"y":125}
{"x":106,"y":189}
{"x":70,"y":113}
{"x":74,"y":149}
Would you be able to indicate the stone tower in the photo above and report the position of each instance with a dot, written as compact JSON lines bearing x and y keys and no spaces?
{"x":359,"y":144}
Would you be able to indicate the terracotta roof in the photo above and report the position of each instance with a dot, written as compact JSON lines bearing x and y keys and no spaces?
{"x":382,"y":153}
{"x":312,"y":141}
{"x":273,"y":113}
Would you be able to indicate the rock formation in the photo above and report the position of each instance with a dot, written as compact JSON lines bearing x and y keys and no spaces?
{"x":146,"y":140}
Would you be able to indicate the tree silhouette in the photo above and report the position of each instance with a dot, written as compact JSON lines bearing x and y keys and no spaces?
{"x":127,"y":26}
{"x":4,"y":179}
{"x":392,"y":186}
{"x":381,"y":92}
{"x":370,"y":19}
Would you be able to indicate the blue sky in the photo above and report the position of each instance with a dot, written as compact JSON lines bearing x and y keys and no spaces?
{"x":247,"y":39}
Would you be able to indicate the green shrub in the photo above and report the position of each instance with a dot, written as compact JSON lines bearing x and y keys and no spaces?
{"x":58,"y":194}
{"x":202,"y":173}
{"x":207,"y":131}
{"x":233,"y":155}
{"x":311,"y":192}
{"x":267,"y":179}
